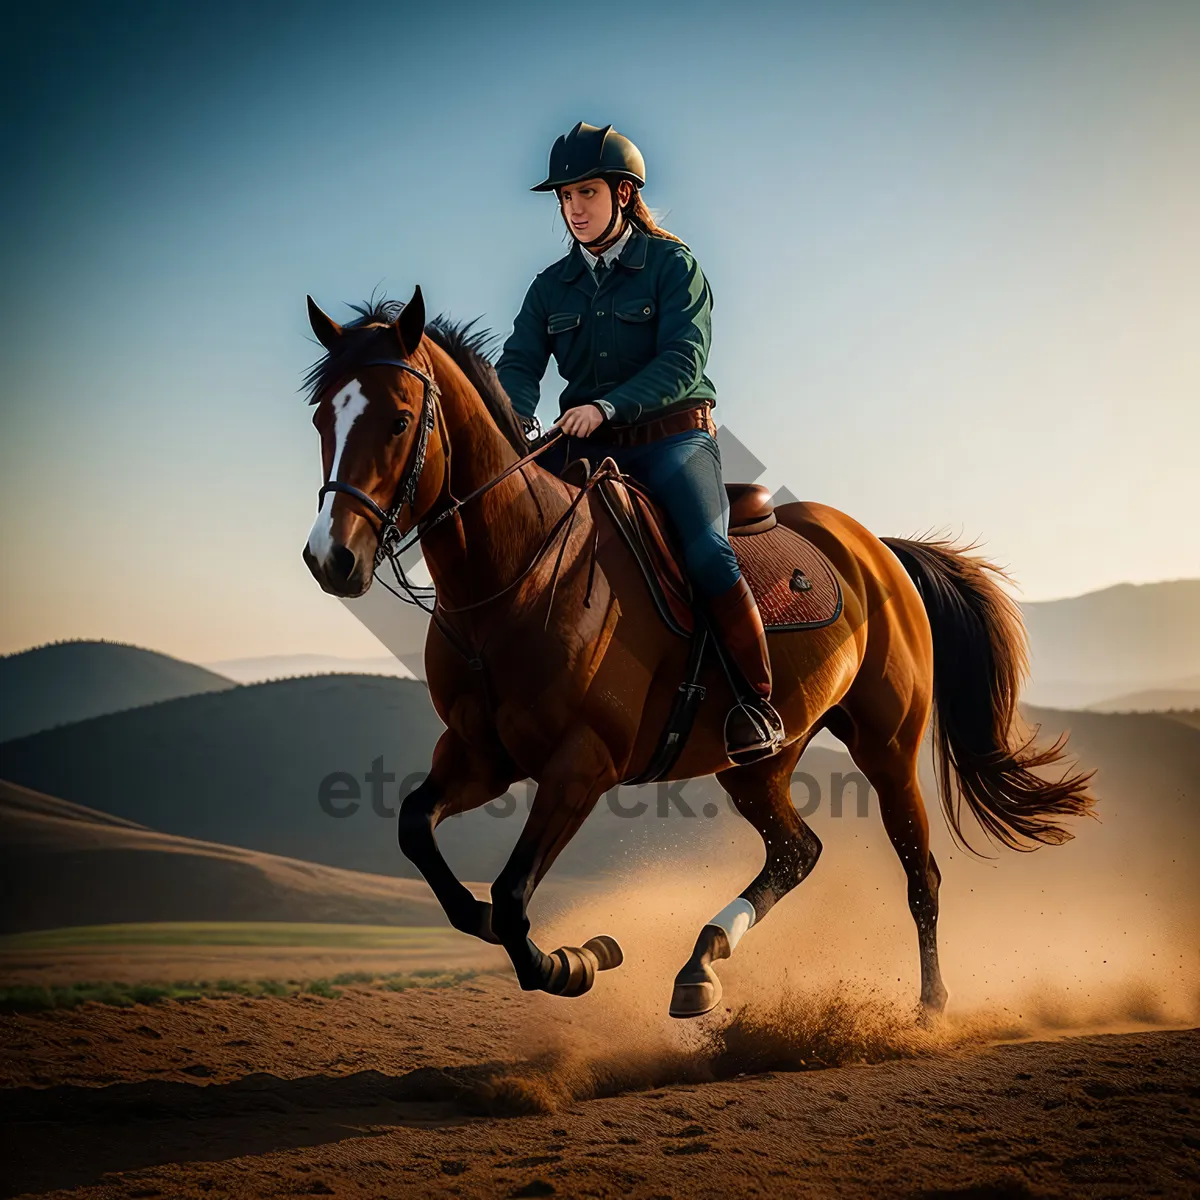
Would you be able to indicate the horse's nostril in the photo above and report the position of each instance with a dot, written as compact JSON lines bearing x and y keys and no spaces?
{"x":341,"y":562}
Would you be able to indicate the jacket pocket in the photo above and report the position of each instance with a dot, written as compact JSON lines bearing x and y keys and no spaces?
{"x":561,"y":322}
{"x":634,"y":311}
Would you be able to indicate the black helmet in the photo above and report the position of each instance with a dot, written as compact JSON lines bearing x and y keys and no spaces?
{"x":588,"y":151}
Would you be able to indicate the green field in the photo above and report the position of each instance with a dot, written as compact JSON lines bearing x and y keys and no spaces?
{"x":29,"y":998}
{"x":237,"y":933}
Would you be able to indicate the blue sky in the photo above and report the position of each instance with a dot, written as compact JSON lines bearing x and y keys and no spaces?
{"x":954,"y":250}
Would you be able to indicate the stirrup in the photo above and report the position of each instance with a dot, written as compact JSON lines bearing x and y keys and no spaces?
{"x":761,"y":716}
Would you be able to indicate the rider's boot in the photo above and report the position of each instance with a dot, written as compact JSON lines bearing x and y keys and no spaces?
{"x":753,"y":729}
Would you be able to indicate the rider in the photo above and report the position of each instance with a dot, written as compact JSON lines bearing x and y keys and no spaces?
{"x":626,"y":315}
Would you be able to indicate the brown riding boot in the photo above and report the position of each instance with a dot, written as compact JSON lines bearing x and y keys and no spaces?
{"x":753,"y":729}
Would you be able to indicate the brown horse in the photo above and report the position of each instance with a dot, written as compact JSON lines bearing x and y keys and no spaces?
{"x":547,"y":660}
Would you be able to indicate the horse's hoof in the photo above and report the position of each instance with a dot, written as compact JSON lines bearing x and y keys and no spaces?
{"x":573,"y":972}
{"x":608,"y":953}
{"x":929,"y":1014}
{"x":697,"y":991}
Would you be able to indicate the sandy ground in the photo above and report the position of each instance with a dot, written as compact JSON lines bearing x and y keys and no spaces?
{"x":479,"y":1090}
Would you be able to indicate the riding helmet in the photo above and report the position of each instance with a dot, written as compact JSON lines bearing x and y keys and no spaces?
{"x":588,"y":151}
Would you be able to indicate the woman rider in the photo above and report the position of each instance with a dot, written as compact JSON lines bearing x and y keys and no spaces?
{"x":626,"y":315}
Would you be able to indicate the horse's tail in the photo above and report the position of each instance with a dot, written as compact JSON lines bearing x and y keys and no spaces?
{"x":980,"y":660}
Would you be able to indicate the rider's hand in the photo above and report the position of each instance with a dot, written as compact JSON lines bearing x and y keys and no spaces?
{"x":580,"y":421}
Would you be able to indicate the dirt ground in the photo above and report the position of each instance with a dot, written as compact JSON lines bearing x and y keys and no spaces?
{"x":448,"y":1093}
{"x":1068,"y":1063}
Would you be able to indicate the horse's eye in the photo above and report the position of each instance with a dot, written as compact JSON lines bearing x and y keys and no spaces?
{"x":399,"y":425}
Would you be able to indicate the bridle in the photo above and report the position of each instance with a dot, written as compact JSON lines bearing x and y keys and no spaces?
{"x":392,"y":544}
{"x":406,"y":492}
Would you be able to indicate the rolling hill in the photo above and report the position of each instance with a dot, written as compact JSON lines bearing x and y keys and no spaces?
{"x":66,"y":682}
{"x":245,"y":767}
{"x":1147,"y":763}
{"x":242,"y":767}
{"x":65,"y":865}
{"x":289,"y":666}
{"x":1185,"y":695}
{"x":1088,"y":649}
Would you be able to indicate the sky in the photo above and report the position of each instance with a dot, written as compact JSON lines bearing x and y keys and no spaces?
{"x":954,"y":249}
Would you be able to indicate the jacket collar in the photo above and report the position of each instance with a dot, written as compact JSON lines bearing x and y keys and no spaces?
{"x":633,"y":257}
{"x":634,"y":254}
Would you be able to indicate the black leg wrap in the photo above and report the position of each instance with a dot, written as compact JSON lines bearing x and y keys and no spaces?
{"x":573,"y":973}
{"x":573,"y":968}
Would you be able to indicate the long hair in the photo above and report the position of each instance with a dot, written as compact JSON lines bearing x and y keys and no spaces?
{"x":635,"y":212}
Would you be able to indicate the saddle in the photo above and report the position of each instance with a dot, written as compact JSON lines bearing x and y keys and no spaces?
{"x":792,"y":581}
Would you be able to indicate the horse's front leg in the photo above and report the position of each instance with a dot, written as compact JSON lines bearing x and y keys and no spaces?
{"x":461,"y":778}
{"x":579,"y":773}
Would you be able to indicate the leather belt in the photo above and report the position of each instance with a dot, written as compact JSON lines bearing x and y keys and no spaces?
{"x":641,"y":432}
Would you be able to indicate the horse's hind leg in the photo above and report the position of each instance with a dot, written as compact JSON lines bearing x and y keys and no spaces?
{"x":761,"y":792}
{"x":891,"y":767}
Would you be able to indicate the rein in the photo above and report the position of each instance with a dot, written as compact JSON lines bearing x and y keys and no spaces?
{"x":392,"y":544}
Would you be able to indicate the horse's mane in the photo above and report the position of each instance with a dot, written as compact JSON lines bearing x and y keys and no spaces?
{"x":467,"y":346}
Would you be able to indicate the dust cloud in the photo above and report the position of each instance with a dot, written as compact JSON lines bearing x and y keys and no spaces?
{"x":1066,"y":940}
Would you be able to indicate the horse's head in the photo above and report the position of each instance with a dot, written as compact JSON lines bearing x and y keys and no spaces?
{"x":370,"y":392}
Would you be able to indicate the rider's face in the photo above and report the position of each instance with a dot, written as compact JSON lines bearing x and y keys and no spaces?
{"x":587,"y":208}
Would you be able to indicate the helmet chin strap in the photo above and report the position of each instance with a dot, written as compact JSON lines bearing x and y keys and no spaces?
{"x":616,"y":216}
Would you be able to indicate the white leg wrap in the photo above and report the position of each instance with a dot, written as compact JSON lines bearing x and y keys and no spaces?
{"x":735,"y":918}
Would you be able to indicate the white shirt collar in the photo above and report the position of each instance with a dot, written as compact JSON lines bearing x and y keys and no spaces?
{"x":610,"y":255}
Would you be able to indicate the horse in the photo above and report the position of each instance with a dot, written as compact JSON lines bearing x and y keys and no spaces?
{"x":546,"y":659}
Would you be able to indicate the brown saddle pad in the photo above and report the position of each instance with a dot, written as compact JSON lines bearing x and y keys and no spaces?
{"x":794,"y":583}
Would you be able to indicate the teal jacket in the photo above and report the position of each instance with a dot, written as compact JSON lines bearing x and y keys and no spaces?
{"x":640,"y":340}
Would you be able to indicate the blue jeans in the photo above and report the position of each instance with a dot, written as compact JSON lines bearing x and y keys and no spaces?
{"x":683,"y":474}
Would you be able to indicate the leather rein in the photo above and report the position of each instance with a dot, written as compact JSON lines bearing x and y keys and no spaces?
{"x":392,"y":544}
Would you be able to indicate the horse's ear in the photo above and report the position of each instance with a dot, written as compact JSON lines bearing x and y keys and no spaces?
{"x":328,"y":331}
{"x":410,"y":324}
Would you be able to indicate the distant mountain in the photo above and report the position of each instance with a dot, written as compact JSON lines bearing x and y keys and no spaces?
{"x":290,"y":666}
{"x":1089,"y":649}
{"x":62,"y":864}
{"x":65,"y":682}
{"x":1147,"y":780}
{"x":1135,"y":753}
{"x":1185,"y":696}
{"x":246,"y":767}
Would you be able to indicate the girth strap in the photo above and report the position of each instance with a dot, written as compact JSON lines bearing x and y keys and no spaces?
{"x":683,"y":712}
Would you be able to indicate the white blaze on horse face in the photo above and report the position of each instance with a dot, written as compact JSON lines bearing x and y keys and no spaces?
{"x":735,"y":918}
{"x":348,"y":405}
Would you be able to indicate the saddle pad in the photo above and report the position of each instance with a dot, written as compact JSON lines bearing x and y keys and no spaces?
{"x":791,"y":579}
